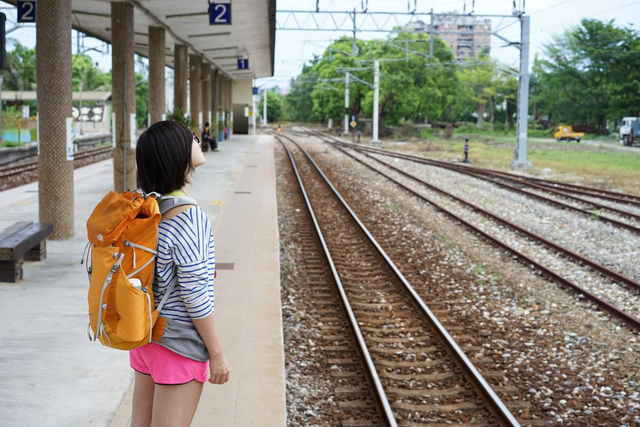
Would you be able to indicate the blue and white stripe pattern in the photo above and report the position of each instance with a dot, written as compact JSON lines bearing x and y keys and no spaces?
{"x":186,"y":249}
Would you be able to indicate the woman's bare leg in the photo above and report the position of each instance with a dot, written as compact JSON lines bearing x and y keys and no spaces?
{"x":142,"y":400}
{"x":175,"y":405}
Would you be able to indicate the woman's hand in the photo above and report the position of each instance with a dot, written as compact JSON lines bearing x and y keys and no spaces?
{"x":219,"y":369}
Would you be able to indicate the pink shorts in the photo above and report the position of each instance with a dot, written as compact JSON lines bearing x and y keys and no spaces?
{"x":167,"y":367}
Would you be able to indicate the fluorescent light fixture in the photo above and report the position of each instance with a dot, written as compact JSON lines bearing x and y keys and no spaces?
{"x":226,"y":33}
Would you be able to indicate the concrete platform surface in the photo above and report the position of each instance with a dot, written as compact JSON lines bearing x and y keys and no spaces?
{"x":51,"y":375}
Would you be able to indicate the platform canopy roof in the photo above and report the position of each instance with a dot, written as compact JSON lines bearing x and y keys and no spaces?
{"x":251,"y":33}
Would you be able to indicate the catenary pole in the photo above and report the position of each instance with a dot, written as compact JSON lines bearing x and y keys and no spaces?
{"x":520,"y":158}
{"x":431,"y":34}
{"x":376,"y":99}
{"x":346,"y":103}
{"x":264,"y":108}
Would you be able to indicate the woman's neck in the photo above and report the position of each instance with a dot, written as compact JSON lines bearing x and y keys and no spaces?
{"x":186,"y":189}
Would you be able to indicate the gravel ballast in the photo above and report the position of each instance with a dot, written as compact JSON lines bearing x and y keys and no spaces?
{"x":570,"y":361}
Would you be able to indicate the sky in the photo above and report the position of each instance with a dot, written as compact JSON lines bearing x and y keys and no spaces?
{"x":294,"y":48}
{"x":548,"y":18}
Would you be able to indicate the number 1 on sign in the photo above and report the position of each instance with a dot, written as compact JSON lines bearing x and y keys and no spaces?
{"x":220,"y":14}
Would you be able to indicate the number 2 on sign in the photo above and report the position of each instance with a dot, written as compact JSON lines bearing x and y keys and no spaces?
{"x":219,"y":13}
{"x":26,"y":11}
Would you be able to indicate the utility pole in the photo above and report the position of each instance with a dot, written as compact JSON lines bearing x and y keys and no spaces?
{"x":431,"y":33}
{"x":376,"y":100}
{"x":354,"y":46}
{"x":520,"y":158}
{"x":264,"y":108}
{"x":346,"y":103}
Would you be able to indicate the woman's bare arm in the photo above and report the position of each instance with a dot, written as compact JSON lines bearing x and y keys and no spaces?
{"x":218,"y":365}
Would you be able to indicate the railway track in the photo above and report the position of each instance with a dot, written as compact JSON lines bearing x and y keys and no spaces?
{"x":515,"y":183}
{"x":613,"y":196}
{"x":14,"y":176}
{"x":419,"y":374}
{"x":12,"y":171}
{"x":612,"y":275}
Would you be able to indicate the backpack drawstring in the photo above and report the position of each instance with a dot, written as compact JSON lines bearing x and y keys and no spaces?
{"x":133,"y":247}
{"x":85,"y":257}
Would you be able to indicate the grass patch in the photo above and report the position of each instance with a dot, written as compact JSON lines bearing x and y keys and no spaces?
{"x":12,"y":144}
{"x":478,"y":270}
{"x":286,"y":265}
{"x":603,"y":166}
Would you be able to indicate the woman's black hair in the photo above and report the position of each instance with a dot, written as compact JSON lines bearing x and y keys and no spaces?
{"x":163,"y":155}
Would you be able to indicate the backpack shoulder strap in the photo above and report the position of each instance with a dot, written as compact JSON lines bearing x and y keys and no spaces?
{"x":167,"y":203}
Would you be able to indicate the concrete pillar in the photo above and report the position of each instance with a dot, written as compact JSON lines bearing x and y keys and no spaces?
{"x":220,"y":91}
{"x":123,"y":95}
{"x":229,"y":89}
{"x":224,"y":102}
{"x":215,"y":79}
{"x":53,"y":70}
{"x":206,"y":93}
{"x":157,"y":105}
{"x":180,"y":76}
{"x":195,"y":98}
{"x":230,"y":101}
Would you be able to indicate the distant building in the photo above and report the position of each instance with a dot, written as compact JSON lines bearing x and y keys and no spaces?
{"x":467,"y":36}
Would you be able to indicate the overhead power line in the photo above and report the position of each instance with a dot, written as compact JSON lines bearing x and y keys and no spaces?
{"x":592,"y":16}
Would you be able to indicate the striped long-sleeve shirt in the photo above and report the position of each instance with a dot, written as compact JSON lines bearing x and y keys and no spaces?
{"x":186,"y":249}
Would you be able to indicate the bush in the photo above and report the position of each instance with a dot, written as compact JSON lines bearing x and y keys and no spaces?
{"x":178,"y":116}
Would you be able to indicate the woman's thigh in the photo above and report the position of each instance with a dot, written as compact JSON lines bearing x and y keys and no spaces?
{"x":175,"y":405}
{"x":143,"y":390}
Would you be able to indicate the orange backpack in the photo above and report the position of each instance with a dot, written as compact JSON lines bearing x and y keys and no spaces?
{"x":123,"y":238}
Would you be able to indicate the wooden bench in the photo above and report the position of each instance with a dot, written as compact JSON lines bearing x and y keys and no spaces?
{"x":23,"y":241}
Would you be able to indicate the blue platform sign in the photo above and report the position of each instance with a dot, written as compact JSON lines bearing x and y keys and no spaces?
{"x":255,"y":90}
{"x":26,"y":11}
{"x":219,"y":13}
{"x":243,"y":64}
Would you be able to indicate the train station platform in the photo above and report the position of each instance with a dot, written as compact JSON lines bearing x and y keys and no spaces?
{"x":51,"y":374}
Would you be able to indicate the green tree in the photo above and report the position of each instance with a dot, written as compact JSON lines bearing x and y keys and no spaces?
{"x":142,"y":100}
{"x":83,"y":70}
{"x":299,"y":103}
{"x":413,"y":86}
{"x":590,"y":74}
{"x":480,"y":85}
{"x":142,"y":92}
{"x":20,"y":70}
{"x":274,"y":106}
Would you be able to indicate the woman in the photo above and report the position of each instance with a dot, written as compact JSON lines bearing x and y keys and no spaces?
{"x":170,"y":375}
{"x":208,"y":139}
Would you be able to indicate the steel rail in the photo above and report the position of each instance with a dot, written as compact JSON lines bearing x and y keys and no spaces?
{"x":603,"y":270}
{"x":31,"y":166}
{"x":554,"y":186}
{"x":631,"y":321}
{"x":494,"y":404}
{"x":364,"y":351}
{"x":614,"y":196}
{"x":541,"y":187}
{"x":467,"y":171}
{"x":589,"y":191}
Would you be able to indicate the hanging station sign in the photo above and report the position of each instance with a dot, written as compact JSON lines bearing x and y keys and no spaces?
{"x":220,"y":13}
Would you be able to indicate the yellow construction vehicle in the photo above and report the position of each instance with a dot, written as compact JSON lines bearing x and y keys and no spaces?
{"x":566,"y":133}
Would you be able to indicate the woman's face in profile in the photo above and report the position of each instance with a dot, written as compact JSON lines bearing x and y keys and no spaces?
{"x":197,"y":157}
